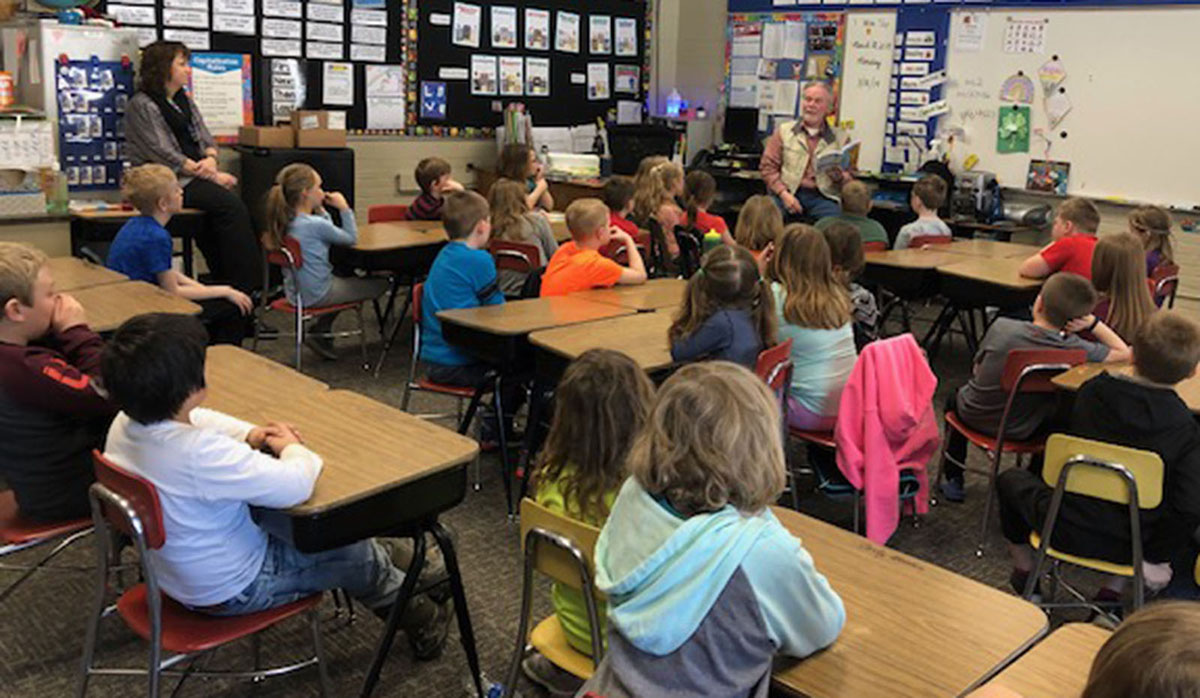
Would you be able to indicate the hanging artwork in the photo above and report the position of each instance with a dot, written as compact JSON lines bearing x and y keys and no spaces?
{"x":1057,"y":106}
{"x":1017,"y":88}
{"x":1012,"y":130}
{"x":1052,"y":73}
{"x":1048,"y":175}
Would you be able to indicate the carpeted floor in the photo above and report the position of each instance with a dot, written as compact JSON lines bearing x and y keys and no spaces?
{"x":43,"y":622}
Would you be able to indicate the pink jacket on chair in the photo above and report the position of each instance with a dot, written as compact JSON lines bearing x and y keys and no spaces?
{"x":886,"y":423}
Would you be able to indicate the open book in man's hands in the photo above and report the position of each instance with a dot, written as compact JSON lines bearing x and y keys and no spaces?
{"x":845,"y":158}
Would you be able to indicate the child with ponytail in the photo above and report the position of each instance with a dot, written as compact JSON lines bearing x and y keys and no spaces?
{"x":296,"y":208}
{"x":654,"y":198}
{"x":727,"y":311}
{"x":700,"y":190}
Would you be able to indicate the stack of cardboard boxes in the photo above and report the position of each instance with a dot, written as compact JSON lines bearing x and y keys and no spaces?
{"x":309,"y":129}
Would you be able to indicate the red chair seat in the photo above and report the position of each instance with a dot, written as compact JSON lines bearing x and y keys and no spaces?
{"x":820,"y":438}
{"x":188,"y":631}
{"x":284,"y":305}
{"x":989,"y":442}
{"x":16,"y":530}
{"x":454,"y":390}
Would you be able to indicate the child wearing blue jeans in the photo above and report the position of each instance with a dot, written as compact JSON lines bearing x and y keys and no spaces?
{"x":209,"y":468}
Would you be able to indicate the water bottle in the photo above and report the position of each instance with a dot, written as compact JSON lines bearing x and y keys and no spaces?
{"x":491,"y":689}
{"x":674,"y":103}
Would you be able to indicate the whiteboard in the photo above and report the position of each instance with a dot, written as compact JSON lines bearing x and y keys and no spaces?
{"x":866,"y":77}
{"x":1134,"y":84}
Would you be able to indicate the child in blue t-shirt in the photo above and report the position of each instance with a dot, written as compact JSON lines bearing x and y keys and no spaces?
{"x":462,"y":276}
{"x":142,"y":251}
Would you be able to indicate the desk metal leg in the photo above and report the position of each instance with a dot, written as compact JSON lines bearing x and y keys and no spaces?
{"x":933,"y":339}
{"x":393,"y":622}
{"x":465,"y":631}
{"x":189,"y":242}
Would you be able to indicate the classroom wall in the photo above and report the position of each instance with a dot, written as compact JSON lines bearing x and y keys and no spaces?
{"x":378,"y":161}
{"x":688,"y":54}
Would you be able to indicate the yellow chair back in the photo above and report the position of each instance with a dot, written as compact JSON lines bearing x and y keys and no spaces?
{"x":553,"y":561}
{"x":1146,"y":467}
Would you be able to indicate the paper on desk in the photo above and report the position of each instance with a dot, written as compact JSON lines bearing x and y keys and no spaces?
{"x":583,"y":138}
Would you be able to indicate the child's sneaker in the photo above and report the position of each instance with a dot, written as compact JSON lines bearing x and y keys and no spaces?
{"x":427,"y":624}
{"x":558,"y":683}
{"x":954,"y":490}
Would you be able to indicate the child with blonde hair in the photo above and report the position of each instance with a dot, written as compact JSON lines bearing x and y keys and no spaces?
{"x":600,"y":405}
{"x":296,"y":208}
{"x":1119,"y":275}
{"x":705,"y":586}
{"x":759,"y":225}
{"x":578,"y":265}
{"x":1153,"y":653}
{"x":513,"y":221}
{"x":727,"y":311}
{"x":816,"y":314}
{"x":655,"y":198}
{"x":143,"y":248}
{"x":1152,"y":225}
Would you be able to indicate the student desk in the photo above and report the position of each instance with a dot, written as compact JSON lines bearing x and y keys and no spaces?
{"x":912,"y":628}
{"x":911,"y":273}
{"x":991,"y":248}
{"x":1188,"y":389}
{"x":643,"y":337}
{"x":564,"y":190}
{"x":1056,"y":666}
{"x":498,"y":334}
{"x":73,"y":273}
{"x":655,"y":294}
{"x":102,"y":226}
{"x":386,"y":472}
{"x":110,"y":305}
{"x":974,"y":283}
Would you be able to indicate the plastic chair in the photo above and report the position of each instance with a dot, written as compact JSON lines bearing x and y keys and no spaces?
{"x":290,"y":260}
{"x":18,"y":533}
{"x":561,"y":548}
{"x":876,"y":246}
{"x":656,"y":264}
{"x":520,"y":257}
{"x":923,"y":240}
{"x":1095,"y":469}
{"x":1166,"y":284}
{"x":1026,"y":371}
{"x":774,"y":367}
{"x":382,"y":213}
{"x":460,"y":393}
{"x":129,"y":504}
{"x":617,"y":252}
{"x":691,"y":245}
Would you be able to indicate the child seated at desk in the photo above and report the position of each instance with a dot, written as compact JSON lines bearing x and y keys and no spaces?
{"x":513,"y":221}
{"x":1119,"y":275}
{"x":705,"y":586}
{"x":578,"y":265}
{"x":519,"y":163}
{"x":856,"y":204}
{"x":600,"y":405}
{"x":700,"y":190}
{"x":209,"y":469}
{"x":759,"y":225}
{"x":1152,"y":225}
{"x":816,"y":314}
{"x":296,"y":208}
{"x":928,"y":195}
{"x":52,"y":412}
{"x":846,"y":253}
{"x":727,"y":311}
{"x":1140,"y":411}
{"x":656,"y":198}
{"x":618,"y":197}
{"x":142,"y":251}
{"x":1074,"y":241}
{"x":1061,"y":309}
{"x":433,"y":176}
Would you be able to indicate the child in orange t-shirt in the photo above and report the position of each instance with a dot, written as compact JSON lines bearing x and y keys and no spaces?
{"x":578,"y":265}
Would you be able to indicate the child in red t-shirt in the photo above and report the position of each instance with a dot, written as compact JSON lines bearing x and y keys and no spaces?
{"x":1074,"y":239}
{"x":618,"y":197}
{"x":700,"y":190}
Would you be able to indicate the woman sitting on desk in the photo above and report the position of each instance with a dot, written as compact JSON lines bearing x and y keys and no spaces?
{"x":163,"y":126}
{"x":789,"y":160}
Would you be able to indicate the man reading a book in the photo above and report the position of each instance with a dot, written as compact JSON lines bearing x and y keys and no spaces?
{"x":802,"y":162}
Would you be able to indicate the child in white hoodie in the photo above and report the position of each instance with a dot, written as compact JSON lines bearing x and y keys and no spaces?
{"x":704,"y":584}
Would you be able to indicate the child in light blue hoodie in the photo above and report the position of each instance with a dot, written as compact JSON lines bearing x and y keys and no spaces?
{"x":704,"y":584}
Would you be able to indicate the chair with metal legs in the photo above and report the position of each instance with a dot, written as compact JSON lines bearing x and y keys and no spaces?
{"x":18,"y":533}
{"x":129,"y":504}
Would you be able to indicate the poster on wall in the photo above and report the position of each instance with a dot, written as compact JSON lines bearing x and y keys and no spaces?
{"x":385,"y":96}
{"x":484,"y":75}
{"x":566,"y":37}
{"x":467,"y":21}
{"x":600,"y":34}
{"x":597,"y":81}
{"x":537,"y":29}
{"x":626,"y":36}
{"x":537,"y":77}
{"x":504,"y":27}
{"x":512,"y":76}
{"x":221,"y":89}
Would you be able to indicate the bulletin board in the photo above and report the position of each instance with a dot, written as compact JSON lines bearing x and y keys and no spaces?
{"x":309,"y":33}
{"x":92,"y":96}
{"x":450,"y":75}
{"x":1129,"y":131}
{"x":769,"y":55}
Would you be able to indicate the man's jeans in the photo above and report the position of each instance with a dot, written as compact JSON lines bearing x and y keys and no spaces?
{"x":816,"y":206}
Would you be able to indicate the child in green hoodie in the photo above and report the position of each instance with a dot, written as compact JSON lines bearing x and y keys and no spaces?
{"x":704,"y":584}
{"x":600,"y":404}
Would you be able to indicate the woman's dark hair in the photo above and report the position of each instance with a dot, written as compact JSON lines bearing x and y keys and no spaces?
{"x":156,"y":65}
{"x":153,"y":363}
{"x":514,"y":162}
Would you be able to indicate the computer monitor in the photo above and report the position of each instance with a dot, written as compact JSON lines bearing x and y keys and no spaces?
{"x":629,"y":144}
{"x":741,"y":128}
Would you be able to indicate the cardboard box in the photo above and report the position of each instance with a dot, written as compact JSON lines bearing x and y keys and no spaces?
{"x":313,"y":129}
{"x":267,"y":136}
